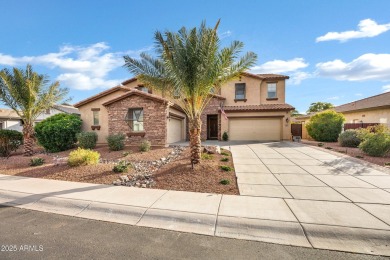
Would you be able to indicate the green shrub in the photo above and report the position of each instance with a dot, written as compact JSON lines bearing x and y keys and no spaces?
{"x":116,"y":142}
{"x":224,"y":159}
{"x":225,"y":154}
{"x":349,"y":138}
{"x":377,"y":144}
{"x":126,"y":153}
{"x":83,"y":157}
{"x":58,"y":133}
{"x":359,"y":156}
{"x":145,"y":146}
{"x":365,"y":133}
{"x":10,"y":140}
{"x":87,"y":140}
{"x":225,"y":136}
{"x":387,"y":164}
{"x":320,"y":144}
{"x":37,"y":161}
{"x":225,"y":182}
{"x":325,"y":126}
{"x":122,"y":166}
{"x":206,"y":156}
{"x":329,"y":148}
{"x":226,"y":168}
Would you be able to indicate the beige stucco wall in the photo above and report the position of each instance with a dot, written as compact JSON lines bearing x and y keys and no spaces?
{"x":256,"y":92}
{"x":369,"y":116}
{"x":87,"y":115}
{"x":286,"y":128}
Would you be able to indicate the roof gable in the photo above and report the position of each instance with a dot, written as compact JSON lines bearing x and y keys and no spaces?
{"x":100,"y":95}
{"x":138,"y":93}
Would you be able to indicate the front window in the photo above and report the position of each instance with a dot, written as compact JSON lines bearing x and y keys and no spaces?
{"x":271,"y":90}
{"x":240,"y":91}
{"x":144,"y":89}
{"x":135,"y":119}
{"x":95,"y":117}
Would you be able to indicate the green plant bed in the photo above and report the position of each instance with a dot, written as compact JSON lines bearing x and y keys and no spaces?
{"x":225,"y":154}
{"x":226,"y":168}
{"x":122,"y":166}
{"x":225,"y":159}
{"x":37,"y":161}
{"x":224,"y":182}
{"x":83,"y":157}
{"x":206,"y":156}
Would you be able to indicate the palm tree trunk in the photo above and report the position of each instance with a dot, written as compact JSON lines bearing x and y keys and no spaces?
{"x":28,"y":139}
{"x":195,"y":143}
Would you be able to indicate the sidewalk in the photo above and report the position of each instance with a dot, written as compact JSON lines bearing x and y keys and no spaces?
{"x":273,"y":220}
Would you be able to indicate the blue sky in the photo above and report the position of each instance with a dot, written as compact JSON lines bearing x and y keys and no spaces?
{"x":333,"y":51}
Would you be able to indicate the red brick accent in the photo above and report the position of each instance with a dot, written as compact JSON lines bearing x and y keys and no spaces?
{"x":155,"y":119}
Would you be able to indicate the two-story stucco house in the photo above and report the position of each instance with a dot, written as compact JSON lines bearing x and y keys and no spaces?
{"x":251,"y":107}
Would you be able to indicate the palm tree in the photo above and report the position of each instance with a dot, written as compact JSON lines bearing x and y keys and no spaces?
{"x":29,"y":95}
{"x":190,"y":65}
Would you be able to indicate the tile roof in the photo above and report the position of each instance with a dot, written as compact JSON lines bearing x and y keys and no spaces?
{"x":99,"y":95}
{"x":381,"y":100}
{"x":8,"y":114}
{"x":265,"y":76}
{"x":67,"y":109}
{"x":135,"y":92}
{"x":263,"y":107}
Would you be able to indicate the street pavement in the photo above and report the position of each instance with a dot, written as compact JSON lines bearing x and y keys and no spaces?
{"x":38,"y":235}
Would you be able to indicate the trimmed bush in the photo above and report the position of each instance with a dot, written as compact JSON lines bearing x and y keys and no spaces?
{"x":145,"y":146}
{"x":10,"y":140}
{"x":58,"y":133}
{"x":226,"y":168}
{"x":349,"y":138}
{"x":116,"y":142}
{"x":122,"y":166}
{"x":377,"y":144}
{"x":83,"y":157}
{"x":325,"y":126}
{"x":225,"y":136}
{"x":37,"y":161}
{"x":224,"y":182}
{"x":206,"y":156}
{"x":87,"y":140}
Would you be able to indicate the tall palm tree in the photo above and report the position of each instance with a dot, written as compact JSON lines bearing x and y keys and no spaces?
{"x":190,"y":65}
{"x":29,"y":94}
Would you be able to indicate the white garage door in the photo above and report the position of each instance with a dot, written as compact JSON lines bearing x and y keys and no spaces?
{"x":262,"y":129}
{"x":175,"y":130}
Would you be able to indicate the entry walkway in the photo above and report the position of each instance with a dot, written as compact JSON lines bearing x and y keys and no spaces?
{"x":300,"y":204}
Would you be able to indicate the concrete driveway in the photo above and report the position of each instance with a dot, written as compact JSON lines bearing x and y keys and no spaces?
{"x":327,"y":193}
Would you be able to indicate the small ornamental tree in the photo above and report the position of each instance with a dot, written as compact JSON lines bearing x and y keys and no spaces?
{"x":325,"y":126}
{"x":58,"y":133}
{"x":10,"y":140}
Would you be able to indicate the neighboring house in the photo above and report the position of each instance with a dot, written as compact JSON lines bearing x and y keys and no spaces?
{"x":254,"y":106}
{"x":375,"y":109}
{"x":10,"y":120}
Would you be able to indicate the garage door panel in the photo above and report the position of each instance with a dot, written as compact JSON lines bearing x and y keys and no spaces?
{"x":175,"y":130}
{"x":255,"y":129}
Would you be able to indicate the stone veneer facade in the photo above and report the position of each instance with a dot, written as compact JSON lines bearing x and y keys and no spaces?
{"x":155,"y":119}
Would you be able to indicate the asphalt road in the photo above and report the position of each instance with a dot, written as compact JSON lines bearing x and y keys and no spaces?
{"x":37,"y":235}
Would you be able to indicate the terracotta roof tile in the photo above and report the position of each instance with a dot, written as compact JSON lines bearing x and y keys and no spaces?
{"x":99,"y":95}
{"x":377,"y":101}
{"x":135,"y":92}
{"x":263,"y":107}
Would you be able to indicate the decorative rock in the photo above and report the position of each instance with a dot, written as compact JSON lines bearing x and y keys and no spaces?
{"x":143,"y":185}
{"x":124,"y":178}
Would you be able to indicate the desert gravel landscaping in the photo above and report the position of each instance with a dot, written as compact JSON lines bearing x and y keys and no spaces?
{"x":159,"y":168}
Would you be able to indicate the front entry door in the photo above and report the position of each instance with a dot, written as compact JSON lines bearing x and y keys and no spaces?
{"x":212,"y":127}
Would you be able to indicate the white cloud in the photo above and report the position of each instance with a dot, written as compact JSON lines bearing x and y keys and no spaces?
{"x":80,"y":67}
{"x":289,"y":67}
{"x":386,"y":88}
{"x":226,"y":34}
{"x":280,"y":66}
{"x":366,"y":67}
{"x":366,"y":28}
{"x":334,"y":98}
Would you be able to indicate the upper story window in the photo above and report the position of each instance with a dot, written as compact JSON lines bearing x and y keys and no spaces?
{"x":271,"y":90}
{"x":240,"y":91}
{"x":135,"y":119}
{"x":95,"y":117}
{"x":144,"y":89}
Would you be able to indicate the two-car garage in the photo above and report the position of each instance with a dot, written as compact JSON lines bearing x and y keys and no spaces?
{"x":264,"y":129}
